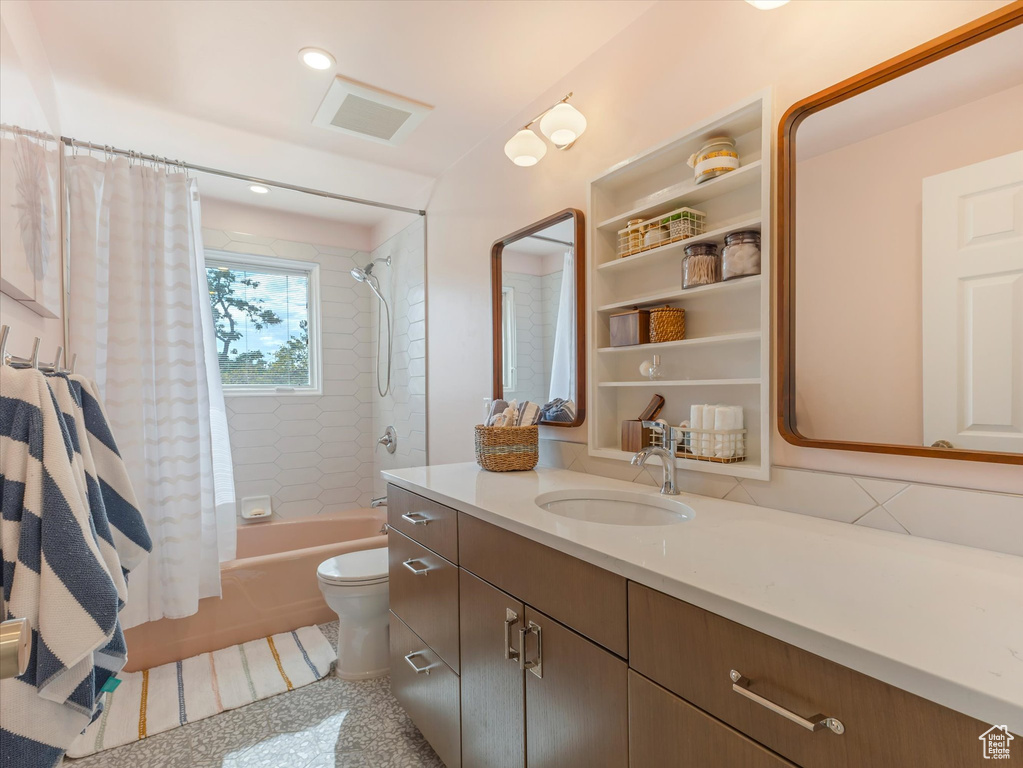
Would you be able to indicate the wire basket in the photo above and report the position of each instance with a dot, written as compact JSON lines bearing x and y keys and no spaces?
{"x":722,"y":446}
{"x":671,"y":227}
{"x":507,"y":449}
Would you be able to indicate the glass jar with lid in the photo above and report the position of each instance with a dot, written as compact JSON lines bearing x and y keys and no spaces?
{"x":741,"y":255}
{"x":701,"y":265}
{"x":716,"y":156}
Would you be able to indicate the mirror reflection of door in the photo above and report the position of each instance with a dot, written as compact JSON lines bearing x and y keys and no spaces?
{"x":973,"y":306}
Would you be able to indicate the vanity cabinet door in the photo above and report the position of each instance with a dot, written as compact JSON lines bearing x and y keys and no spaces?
{"x":493,"y":696}
{"x":577,"y":701}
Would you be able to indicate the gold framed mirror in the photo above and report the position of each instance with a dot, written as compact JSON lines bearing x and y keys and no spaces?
{"x":538,"y":297}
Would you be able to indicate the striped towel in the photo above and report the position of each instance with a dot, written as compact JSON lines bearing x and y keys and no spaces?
{"x":59,"y":572}
{"x":158,"y":699}
{"x":560,"y":411}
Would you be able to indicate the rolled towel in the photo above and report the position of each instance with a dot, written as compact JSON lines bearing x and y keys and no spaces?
{"x":707,"y":440}
{"x":497,"y":408}
{"x":727,"y":417}
{"x":695,"y":422}
{"x":510,"y":417}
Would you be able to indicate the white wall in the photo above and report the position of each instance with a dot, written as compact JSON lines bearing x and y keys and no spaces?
{"x":657,"y":77}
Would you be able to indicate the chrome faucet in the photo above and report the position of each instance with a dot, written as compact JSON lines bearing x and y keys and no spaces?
{"x":665,"y":452}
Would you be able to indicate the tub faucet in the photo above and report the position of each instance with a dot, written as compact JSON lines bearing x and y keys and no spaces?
{"x":380,"y":501}
{"x":666,"y":453}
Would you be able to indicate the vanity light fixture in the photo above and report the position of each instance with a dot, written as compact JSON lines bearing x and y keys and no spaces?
{"x":767,"y":5}
{"x":317,"y":58}
{"x":561,"y":123}
{"x":259,"y":189}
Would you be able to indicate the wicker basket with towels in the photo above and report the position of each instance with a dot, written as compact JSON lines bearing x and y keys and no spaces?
{"x":507,"y":449}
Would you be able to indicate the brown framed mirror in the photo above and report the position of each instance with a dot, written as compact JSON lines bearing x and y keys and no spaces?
{"x":538,"y":297}
{"x":900,"y":242}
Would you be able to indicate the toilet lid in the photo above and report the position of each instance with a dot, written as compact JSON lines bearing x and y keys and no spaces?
{"x":367,"y":566}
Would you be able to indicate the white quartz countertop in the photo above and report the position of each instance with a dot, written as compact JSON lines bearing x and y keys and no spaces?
{"x":940,"y":620}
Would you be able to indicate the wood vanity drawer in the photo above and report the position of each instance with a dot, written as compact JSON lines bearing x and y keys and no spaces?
{"x":586,"y":598}
{"x":668,"y":732}
{"x":429,"y":695}
{"x":423,"y":592}
{"x":431,"y":524}
{"x":691,"y":651}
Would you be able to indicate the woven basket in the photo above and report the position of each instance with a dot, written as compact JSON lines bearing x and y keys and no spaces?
{"x":667,"y":324}
{"x":507,"y":449}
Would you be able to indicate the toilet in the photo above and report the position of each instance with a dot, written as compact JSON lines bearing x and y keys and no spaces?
{"x":355,"y":587}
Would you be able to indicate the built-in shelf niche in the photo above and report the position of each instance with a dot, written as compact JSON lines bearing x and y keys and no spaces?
{"x":725,"y":355}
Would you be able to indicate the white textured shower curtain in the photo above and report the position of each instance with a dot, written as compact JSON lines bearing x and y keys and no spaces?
{"x":563,"y":372}
{"x":141,"y":325}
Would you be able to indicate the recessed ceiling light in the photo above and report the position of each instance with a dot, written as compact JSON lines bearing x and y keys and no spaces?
{"x":767,"y":5}
{"x":317,"y":58}
{"x":259,"y":189}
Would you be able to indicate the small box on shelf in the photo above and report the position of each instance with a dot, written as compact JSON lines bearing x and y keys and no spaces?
{"x":630,"y":328}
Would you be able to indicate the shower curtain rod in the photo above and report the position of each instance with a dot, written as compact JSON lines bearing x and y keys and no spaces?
{"x":75,"y":143}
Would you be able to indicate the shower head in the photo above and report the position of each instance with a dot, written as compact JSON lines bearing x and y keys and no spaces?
{"x":365,"y":274}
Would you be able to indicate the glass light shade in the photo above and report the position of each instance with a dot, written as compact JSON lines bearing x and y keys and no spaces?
{"x":525,"y":148}
{"x":563,"y":124}
{"x":767,"y":5}
{"x":259,"y":189}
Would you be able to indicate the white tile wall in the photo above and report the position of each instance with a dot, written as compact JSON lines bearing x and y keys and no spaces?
{"x":991,"y":521}
{"x":536,"y":314}
{"x":311,"y":453}
{"x":403,"y":284}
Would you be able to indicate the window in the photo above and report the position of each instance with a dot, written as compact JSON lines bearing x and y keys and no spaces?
{"x":265,"y":314}
{"x":509,"y":344}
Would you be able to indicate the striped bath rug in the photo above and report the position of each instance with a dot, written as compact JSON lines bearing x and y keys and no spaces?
{"x":158,"y":699}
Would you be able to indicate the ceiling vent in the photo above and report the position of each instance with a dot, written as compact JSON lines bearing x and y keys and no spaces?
{"x":359,"y":110}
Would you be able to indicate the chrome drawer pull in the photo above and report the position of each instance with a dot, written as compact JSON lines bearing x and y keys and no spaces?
{"x":419,"y":670}
{"x":536,"y":667}
{"x":417,"y":571}
{"x":416,"y":518}
{"x":510,"y":618}
{"x":741,"y":684}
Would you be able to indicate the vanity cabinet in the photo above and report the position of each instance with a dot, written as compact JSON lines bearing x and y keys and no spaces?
{"x":521,"y":656}
{"x":534,"y":692}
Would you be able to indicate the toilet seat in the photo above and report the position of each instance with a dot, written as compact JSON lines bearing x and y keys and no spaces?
{"x":367,"y":566}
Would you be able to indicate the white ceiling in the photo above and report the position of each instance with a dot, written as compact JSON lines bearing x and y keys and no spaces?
{"x":233,"y":66}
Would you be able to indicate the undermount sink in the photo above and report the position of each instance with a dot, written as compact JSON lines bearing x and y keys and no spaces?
{"x":615,"y":507}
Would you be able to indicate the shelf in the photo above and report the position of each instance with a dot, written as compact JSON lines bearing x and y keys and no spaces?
{"x":725,"y":338}
{"x":664,"y":250}
{"x":750,"y":469}
{"x":739,"y":283}
{"x":683,"y":383}
{"x":689,"y":193}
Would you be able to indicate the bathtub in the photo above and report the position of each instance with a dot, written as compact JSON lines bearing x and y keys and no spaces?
{"x":270,"y":587}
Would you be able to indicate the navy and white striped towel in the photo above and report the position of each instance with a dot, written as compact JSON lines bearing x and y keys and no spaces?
{"x":57,"y":573}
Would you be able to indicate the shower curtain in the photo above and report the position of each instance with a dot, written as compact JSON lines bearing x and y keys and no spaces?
{"x":563,"y":373}
{"x":141,"y":325}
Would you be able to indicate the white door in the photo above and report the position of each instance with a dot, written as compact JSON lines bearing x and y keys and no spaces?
{"x":973,"y":306}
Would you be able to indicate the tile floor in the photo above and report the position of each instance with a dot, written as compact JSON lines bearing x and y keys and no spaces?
{"x":331,"y":723}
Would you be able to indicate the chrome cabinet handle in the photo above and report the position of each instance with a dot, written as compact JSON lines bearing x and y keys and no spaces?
{"x":419,"y":670}
{"x":416,"y":518}
{"x":741,"y":684}
{"x":510,"y":618}
{"x":417,"y":571}
{"x":536,"y":667}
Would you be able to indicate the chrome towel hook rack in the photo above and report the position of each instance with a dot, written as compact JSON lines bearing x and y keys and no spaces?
{"x":6,"y":358}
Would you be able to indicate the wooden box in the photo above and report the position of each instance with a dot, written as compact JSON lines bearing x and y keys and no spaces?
{"x":635,"y":436}
{"x":630,"y":328}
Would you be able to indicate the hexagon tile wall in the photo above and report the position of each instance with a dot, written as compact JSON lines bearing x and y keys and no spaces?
{"x":315,"y":454}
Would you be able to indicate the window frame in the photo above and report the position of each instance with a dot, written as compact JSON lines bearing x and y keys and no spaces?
{"x":213,"y":257}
